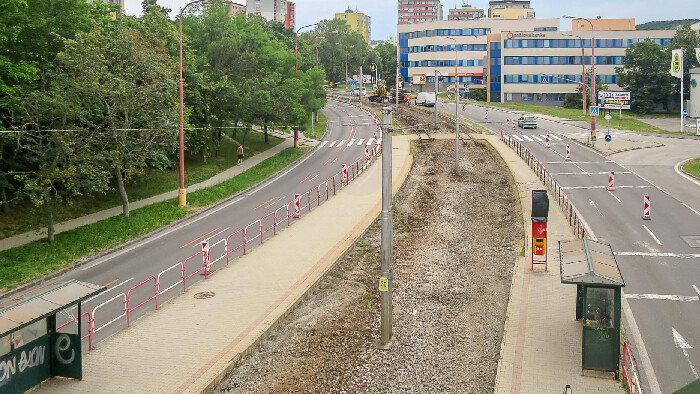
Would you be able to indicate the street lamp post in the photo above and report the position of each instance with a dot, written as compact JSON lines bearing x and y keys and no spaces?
{"x":456,"y":109}
{"x":593,"y":80}
{"x":296,"y":46}
{"x":346,"y":63}
{"x":583,"y":69}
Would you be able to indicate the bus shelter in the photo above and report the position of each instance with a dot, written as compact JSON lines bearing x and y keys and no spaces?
{"x":35,"y":343}
{"x":591,"y":266}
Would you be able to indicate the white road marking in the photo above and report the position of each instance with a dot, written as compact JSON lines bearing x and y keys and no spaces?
{"x":669,"y":297}
{"x":527,"y":138}
{"x":109,"y":289}
{"x":688,"y":206}
{"x":538,"y":139}
{"x":334,"y":160}
{"x":517,"y":137}
{"x":586,"y":173}
{"x":578,"y":162}
{"x":556,"y":137}
{"x":360,"y":142}
{"x":199,"y":245}
{"x":592,"y":203}
{"x":605,"y":187}
{"x":331,"y":144}
{"x":274,"y":202}
{"x":684,"y":346}
{"x":351,"y":141}
{"x":314,"y":177}
{"x":677,"y":168}
{"x":696,"y":290}
{"x":614,"y":196}
{"x":323,"y":144}
{"x":340,"y":143}
{"x":660,"y":254}
{"x":652,"y":235}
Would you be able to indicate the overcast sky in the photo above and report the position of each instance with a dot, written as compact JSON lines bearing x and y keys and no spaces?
{"x":384,"y":12}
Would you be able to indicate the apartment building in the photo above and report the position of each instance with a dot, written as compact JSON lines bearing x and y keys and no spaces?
{"x":358,"y":22}
{"x":419,"y":11}
{"x":603,"y":24}
{"x":273,"y":10}
{"x":466,"y":12}
{"x":511,"y":9}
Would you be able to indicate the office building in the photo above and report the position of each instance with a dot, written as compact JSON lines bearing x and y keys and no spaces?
{"x":358,"y":22}
{"x":511,"y":9}
{"x":272,"y":10}
{"x":418,"y":11}
{"x":603,"y":24}
{"x":466,"y":12}
{"x":523,"y":60}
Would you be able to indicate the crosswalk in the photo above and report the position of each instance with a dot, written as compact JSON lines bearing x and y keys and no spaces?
{"x":552,"y":137}
{"x":346,"y":143}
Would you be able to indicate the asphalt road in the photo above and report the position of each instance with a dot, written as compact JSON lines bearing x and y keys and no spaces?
{"x":161,"y":256}
{"x":658,"y":258}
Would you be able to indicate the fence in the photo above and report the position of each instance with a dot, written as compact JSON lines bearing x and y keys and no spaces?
{"x":247,"y":236}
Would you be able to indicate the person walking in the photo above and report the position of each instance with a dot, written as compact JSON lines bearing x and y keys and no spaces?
{"x":240,"y":154}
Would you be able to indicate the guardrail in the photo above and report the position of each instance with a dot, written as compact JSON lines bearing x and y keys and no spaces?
{"x":629,"y":373}
{"x":331,"y":188}
{"x":91,"y":327}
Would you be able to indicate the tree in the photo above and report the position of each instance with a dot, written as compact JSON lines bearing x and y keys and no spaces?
{"x":645,"y":74}
{"x":573,"y":100}
{"x":126,"y":84}
{"x":686,"y":39}
{"x":387,"y":61}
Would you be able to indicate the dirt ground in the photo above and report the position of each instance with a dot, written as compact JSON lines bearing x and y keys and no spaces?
{"x":455,"y":242}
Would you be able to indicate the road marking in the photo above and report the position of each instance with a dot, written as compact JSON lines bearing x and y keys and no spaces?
{"x":595,"y":206}
{"x":323,"y":144}
{"x":696,"y":290}
{"x":527,"y":138}
{"x":275,"y":202}
{"x":360,"y":142}
{"x":110,"y":289}
{"x":578,"y":162}
{"x":329,"y":159}
{"x":614,"y":196}
{"x":265,"y":203}
{"x":332,"y":143}
{"x":517,"y":137}
{"x":677,"y":168}
{"x":195,"y":240}
{"x":538,"y":139}
{"x":302,"y":181}
{"x":314,"y":177}
{"x":334,"y":160}
{"x":340,"y":143}
{"x":112,"y":282}
{"x":586,"y":173}
{"x":668,"y":297}
{"x":688,"y":206}
{"x":556,"y":137}
{"x":212,"y":236}
{"x":660,"y":254}
{"x":652,"y":235}
{"x":604,"y":187}
{"x":351,"y":142}
{"x":684,"y":346}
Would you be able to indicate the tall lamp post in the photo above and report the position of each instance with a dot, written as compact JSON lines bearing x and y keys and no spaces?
{"x":456,"y":109}
{"x":346,"y":63}
{"x":296,"y":45}
{"x":583,"y":70}
{"x":593,"y":79}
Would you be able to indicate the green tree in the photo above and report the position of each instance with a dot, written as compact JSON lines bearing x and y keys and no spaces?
{"x":387,"y":61}
{"x":686,"y":39}
{"x":645,"y":74}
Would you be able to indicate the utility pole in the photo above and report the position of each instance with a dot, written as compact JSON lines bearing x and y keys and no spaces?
{"x":436,"y":98}
{"x":385,"y":282}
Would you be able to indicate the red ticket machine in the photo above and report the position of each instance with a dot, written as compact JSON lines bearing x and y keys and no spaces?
{"x":540,"y":212}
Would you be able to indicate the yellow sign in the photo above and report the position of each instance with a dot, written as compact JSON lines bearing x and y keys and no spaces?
{"x":383,"y":284}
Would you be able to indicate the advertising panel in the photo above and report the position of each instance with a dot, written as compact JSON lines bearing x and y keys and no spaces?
{"x":419,"y":79}
{"x":608,"y":99}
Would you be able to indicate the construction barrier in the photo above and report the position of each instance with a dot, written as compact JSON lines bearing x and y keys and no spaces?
{"x":549,"y":145}
{"x":611,"y":181}
{"x":568,"y":153}
{"x":647,"y":208}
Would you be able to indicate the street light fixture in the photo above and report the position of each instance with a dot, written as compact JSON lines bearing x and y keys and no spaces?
{"x":296,"y":46}
{"x":583,"y":69}
{"x":593,"y":79}
{"x":456,"y":109}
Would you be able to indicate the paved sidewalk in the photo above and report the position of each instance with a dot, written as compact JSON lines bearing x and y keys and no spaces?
{"x":190,"y":343}
{"x":24,"y":238}
{"x":541,"y":348}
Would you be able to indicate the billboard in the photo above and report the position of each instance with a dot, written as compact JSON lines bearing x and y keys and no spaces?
{"x":608,"y":99}
{"x":366,"y":78}
{"x":419,"y":79}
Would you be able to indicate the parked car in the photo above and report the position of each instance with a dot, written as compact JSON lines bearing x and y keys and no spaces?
{"x":356,"y":92}
{"x":527,"y":121}
{"x":425,"y":99}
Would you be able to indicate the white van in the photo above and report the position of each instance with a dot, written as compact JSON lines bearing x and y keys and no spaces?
{"x":426,"y":99}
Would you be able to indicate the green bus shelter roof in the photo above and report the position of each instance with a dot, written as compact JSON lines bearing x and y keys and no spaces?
{"x":588,"y":262}
{"x":45,"y":302}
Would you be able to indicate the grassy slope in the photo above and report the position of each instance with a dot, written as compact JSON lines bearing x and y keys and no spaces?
{"x":693,"y":167}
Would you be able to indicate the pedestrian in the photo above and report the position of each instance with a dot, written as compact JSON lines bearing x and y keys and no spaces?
{"x":240,"y":154}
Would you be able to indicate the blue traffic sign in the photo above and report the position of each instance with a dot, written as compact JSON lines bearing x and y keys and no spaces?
{"x":608,"y":138}
{"x":685,"y":112}
{"x":595,"y":111}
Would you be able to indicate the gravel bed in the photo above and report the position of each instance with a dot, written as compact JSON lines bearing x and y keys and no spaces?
{"x":456,"y":237}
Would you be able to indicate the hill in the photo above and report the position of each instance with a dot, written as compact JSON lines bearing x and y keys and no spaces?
{"x":666,"y":25}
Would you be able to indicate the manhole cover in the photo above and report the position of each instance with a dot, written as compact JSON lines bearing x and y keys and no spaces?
{"x":692,"y":240}
{"x":204,"y":294}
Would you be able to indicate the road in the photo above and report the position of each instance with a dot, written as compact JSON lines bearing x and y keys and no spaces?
{"x":658,"y":258}
{"x":161,"y":256}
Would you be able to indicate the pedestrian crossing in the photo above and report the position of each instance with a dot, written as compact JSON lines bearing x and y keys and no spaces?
{"x":346,"y":143}
{"x":535,"y":138}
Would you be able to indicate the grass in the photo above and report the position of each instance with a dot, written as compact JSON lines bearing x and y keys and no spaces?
{"x":36,"y":259}
{"x":319,"y":127}
{"x":692,"y":167}
{"x":24,"y":217}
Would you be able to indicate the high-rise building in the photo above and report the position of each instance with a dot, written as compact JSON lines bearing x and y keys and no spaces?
{"x":272,"y":10}
{"x":511,"y":9}
{"x":417,"y":11}
{"x":466,"y":12}
{"x":291,"y":15}
{"x":358,"y":22}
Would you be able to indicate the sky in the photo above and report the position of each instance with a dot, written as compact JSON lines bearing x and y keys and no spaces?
{"x":384,"y":12}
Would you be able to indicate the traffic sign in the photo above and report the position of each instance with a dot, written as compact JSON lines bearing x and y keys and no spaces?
{"x":595,"y":110}
{"x":608,"y":138}
{"x":685,"y":113}
{"x":608,"y":116}
{"x":466,"y":86}
{"x":383,"y":284}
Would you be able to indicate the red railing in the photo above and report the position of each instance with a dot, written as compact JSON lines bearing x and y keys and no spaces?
{"x":184,"y":269}
{"x":316,"y":199}
{"x":228,"y":244}
{"x":128,"y":298}
{"x":629,"y":372}
{"x":90,"y":330}
{"x":273,"y":227}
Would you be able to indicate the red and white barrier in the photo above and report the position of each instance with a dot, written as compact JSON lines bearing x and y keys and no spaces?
{"x":487,"y":114}
{"x":513,"y":125}
{"x":568,"y":153}
{"x":647,"y":208}
{"x":508,"y":121}
{"x":611,"y":181}
{"x":549,"y":145}
{"x":376,"y":132}
{"x":297,"y":206}
{"x":367,"y":153}
{"x":464,"y":107}
{"x":344,"y":172}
